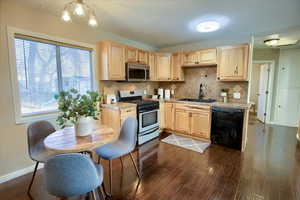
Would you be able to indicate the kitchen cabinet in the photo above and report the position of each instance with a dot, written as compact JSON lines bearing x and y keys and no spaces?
{"x":176,"y":64}
{"x":200,"y":124}
{"x":142,"y":56}
{"x":131,"y":54}
{"x":192,"y":120}
{"x":115,"y":117}
{"x":182,"y":120}
{"x":169,"y":116}
{"x":152,"y":65}
{"x":204,"y":57}
{"x":111,"y":60}
{"x":163,"y":67}
{"x":233,"y":63}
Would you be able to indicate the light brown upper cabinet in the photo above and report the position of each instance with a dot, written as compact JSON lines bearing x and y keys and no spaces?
{"x":233,"y":63}
{"x":131,"y":54}
{"x":204,"y":57}
{"x":152,"y":65}
{"x":177,"y":62}
{"x":142,"y":56}
{"x":163,"y":67}
{"x":111,"y":60}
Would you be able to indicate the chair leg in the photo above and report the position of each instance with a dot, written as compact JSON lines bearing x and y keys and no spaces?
{"x":110,"y":176}
{"x":135,"y":166}
{"x":102,"y":192}
{"x":94,"y":195}
{"x":31,"y":182}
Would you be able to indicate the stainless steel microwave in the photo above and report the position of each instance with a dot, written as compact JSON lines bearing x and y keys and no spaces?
{"x":137,"y":72}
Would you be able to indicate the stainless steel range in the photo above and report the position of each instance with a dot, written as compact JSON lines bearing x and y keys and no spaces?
{"x":147,"y":114}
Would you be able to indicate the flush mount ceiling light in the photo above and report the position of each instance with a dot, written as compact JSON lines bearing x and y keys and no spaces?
{"x":272,"y":42}
{"x":81,"y":9}
{"x":208,"y":26}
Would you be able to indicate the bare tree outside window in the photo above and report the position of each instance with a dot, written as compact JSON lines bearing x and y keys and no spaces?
{"x":45,"y":69}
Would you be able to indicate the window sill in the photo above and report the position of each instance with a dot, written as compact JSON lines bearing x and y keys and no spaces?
{"x":36,"y":117}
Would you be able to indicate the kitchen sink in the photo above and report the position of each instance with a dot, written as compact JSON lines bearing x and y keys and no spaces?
{"x":198,"y":100}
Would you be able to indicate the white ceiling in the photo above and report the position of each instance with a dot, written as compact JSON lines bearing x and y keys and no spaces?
{"x":164,"y":23}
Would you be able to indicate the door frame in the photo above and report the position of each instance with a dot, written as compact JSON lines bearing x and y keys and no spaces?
{"x":269,"y":99}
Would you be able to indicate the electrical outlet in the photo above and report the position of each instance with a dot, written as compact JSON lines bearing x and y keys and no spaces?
{"x":236,"y":95}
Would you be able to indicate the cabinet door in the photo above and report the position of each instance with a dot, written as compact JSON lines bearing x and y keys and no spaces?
{"x":152,"y":65}
{"x":233,"y":63}
{"x":208,"y":56}
{"x":200,"y":124}
{"x":169,"y":116}
{"x":163,"y":67}
{"x":131,"y":54}
{"x":143,"y":57}
{"x":182,"y":121}
{"x":117,"y":62}
{"x":191,"y":58}
{"x":177,"y":72}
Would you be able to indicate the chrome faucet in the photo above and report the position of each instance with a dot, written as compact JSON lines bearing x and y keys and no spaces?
{"x":201,"y":92}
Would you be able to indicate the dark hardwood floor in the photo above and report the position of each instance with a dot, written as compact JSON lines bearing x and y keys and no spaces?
{"x":268,"y":170}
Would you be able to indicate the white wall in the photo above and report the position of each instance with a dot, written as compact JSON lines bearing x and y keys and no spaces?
{"x":288,"y":88}
{"x":13,"y":140}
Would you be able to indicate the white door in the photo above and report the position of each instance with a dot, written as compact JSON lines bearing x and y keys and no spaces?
{"x":262,"y":92}
{"x":288,"y":92}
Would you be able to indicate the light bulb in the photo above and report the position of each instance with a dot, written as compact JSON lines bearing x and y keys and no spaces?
{"x":79,"y":10}
{"x":93,"y":21}
{"x":66,"y":16}
{"x":208,"y":26}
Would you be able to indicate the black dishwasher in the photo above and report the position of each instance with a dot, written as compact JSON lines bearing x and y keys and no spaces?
{"x":227,"y":127}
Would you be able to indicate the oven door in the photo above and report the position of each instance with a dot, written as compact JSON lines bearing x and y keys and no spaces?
{"x":148,"y":120}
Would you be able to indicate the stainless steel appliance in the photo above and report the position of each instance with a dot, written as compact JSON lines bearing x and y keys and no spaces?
{"x":147,"y":114}
{"x":137,"y":72}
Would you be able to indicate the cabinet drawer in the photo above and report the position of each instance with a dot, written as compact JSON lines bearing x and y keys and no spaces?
{"x":193,"y":107}
{"x":128,"y":112}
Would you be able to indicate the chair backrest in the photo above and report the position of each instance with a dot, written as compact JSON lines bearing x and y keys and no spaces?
{"x":68,"y":175}
{"x":36,"y":132}
{"x":129,"y":131}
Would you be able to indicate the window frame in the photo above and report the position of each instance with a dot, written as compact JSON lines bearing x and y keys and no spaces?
{"x":43,"y":115}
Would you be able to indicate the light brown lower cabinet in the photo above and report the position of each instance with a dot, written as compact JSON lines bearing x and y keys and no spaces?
{"x":115,"y":117}
{"x":190,"y":120}
{"x":169,"y":116}
{"x":182,"y":121}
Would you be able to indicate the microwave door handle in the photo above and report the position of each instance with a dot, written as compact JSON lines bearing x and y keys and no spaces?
{"x":145,"y":79}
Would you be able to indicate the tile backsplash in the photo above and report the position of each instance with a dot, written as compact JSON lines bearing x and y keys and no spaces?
{"x":212,"y":88}
{"x":111,"y":87}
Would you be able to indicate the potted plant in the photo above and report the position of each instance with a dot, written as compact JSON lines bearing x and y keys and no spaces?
{"x":79,"y":110}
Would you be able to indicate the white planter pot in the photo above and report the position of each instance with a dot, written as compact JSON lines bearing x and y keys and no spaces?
{"x":85,"y":126}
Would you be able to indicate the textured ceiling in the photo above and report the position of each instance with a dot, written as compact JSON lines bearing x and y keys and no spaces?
{"x":169,"y":22}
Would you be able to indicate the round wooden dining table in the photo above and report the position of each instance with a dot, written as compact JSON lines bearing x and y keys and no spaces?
{"x":66,"y":141}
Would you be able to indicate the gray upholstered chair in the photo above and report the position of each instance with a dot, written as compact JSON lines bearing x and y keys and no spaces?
{"x":123,"y":146}
{"x":36,"y":133}
{"x":74,"y":174}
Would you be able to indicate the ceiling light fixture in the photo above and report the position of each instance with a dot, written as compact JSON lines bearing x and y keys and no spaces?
{"x":271,"y":42}
{"x":79,"y":8}
{"x":208,"y":26}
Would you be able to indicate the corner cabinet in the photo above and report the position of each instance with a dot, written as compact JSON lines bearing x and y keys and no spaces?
{"x":163,"y":67}
{"x":233,"y":63}
{"x":111,"y":60}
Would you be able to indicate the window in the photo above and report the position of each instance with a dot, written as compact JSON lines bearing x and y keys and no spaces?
{"x":45,"y":68}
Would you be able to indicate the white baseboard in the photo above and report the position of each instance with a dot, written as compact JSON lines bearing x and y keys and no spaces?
{"x":18,"y":173}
